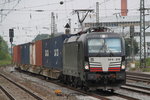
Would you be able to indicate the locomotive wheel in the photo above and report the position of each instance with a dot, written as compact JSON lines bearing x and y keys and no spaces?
{"x":72,"y":81}
{"x":84,"y":86}
{"x":76,"y":83}
{"x":112,"y":90}
{"x":61,"y":78}
{"x":64,"y":79}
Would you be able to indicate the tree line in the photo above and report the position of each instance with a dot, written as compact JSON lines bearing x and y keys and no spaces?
{"x":4,"y":53}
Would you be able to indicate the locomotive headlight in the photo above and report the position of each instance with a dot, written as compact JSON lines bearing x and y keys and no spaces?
{"x":123,"y":67}
{"x":86,"y":66}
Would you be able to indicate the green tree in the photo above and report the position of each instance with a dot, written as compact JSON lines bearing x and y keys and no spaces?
{"x":128,"y":46}
{"x":4,"y":54}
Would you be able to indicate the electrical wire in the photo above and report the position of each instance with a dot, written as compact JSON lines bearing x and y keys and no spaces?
{"x":39,"y":6}
{"x":7,"y":2}
{"x":43,"y":10}
{"x":11,"y":10}
{"x":66,"y":1}
{"x":37,"y":10}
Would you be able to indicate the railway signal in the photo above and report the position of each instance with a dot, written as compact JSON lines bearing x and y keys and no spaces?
{"x":11,"y":36}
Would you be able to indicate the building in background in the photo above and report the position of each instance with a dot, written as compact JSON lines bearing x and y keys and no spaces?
{"x":124,"y":10}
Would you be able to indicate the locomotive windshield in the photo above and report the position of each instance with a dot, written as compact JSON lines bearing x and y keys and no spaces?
{"x":104,"y":45}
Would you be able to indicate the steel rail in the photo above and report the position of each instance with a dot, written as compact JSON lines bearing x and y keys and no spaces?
{"x":138,"y":78}
{"x":138,"y":74}
{"x":7,"y":93}
{"x":21,"y":87}
{"x":125,"y":97}
{"x":135,"y":90}
{"x":96,"y":95}
{"x":79,"y":90}
{"x":137,"y":86}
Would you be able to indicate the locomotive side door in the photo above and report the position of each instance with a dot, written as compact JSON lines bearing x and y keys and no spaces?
{"x":70,"y":59}
{"x":81,"y":60}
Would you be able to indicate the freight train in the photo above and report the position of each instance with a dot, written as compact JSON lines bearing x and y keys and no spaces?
{"x":93,"y":59}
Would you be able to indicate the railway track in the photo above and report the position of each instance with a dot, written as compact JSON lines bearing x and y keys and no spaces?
{"x":103,"y":95}
{"x":133,"y":86}
{"x":125,"y":96}
{"x":82,"y":92}
{"x":21,"y":90}
{"x":137,"y":89}
{"x":99,"y":95}
{"x":138,"y":77}
{"x":128,"y":87}
{"x":7,"y":93}
{"x":115,"y":96}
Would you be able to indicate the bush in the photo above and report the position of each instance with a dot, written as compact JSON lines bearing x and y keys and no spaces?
{"x":137,"y":66}
{"x":146,"y":69}
{"x":4,"y":54}
{"x":148,"y":62}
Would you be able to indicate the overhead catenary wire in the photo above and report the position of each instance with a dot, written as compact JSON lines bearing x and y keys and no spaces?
{"x":56,"y":3}
{"x":37,"y":10}
{"x":6,"y":2}
{"x":43,"y":10}
{"x":10,"y":10}
{"x":39,"y":6}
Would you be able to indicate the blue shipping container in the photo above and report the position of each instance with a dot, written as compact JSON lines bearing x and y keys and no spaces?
{"x":52,"y":52}
{"x":25,"y":53}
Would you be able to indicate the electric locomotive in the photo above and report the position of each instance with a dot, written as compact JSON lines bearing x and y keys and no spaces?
{"x":94,"y":60}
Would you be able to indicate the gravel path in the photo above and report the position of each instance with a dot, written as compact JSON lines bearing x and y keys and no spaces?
{"x":42,"y":87}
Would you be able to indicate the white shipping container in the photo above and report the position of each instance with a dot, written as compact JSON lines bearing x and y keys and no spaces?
{"x":32,"y":54}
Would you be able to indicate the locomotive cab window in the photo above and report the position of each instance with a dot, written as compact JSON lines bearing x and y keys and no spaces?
{"x":95,"y":45}
{"x":104,"y":45}
{"x":113,"y":45}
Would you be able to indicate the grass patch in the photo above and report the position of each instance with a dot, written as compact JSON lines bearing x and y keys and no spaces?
{"x":137,"y":66}
{"x":148,"y":61}
{"x":146,"y":69}
{"x":5,"y":62}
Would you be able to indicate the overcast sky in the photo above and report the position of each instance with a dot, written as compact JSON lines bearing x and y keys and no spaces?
{"x":28,"y":22}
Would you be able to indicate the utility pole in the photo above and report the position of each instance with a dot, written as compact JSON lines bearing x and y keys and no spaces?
{"x":132,"y":45}
{"x":53,"y":27}
{"x":142,"y":35}
{"x":1,"y":16}
{"x":97,"y":12}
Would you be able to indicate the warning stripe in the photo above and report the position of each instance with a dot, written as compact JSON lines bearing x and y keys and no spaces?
{"x":114,"y":67}
{"x":99,"y":69}
{"x":96,"y":70}
{"x":113,"y":70}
